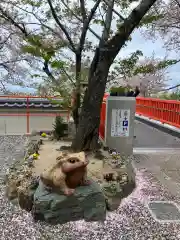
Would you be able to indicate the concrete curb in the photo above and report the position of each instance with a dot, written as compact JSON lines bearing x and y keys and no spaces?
{"x":174,"y":131}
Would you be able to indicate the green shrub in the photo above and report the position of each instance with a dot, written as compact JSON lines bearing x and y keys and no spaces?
{"x":59,"y":128}
{"x":118,"y":90}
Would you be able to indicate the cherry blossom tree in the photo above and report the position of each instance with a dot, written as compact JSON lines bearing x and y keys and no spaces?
{"x":164,"y":22}
{"x":51,"y":29}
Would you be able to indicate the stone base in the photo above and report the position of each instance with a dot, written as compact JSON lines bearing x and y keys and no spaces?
{"x":88,"y":203}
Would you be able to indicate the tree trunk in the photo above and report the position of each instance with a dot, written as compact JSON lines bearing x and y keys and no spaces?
{"x":87,"y":133}
{"x":88,"y":128}
{"x":75,"y":110}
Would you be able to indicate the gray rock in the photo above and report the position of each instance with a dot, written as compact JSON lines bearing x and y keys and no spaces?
{"x":113,"y":203}
{"x":88,"y":202}
{"x":120,"y":188}
{"x":115,"y":163}
{"x":34,"y":183}
{"x":29,"y":161}
{"x":112,"y":188}
{"x":34,"y":144}
{"x":25,"y":199}
{"x":11,"y":191}
{"x":32,"y":148}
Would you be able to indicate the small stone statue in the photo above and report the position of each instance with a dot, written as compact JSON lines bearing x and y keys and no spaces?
{"x":69,"y":172}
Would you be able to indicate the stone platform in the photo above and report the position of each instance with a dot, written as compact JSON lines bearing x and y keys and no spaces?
{"x":88,"y":202}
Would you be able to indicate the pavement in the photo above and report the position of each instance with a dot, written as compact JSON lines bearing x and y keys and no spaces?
{"x":159,"y":153}
{"x":150,"y":137}
{"x":164,"y":167}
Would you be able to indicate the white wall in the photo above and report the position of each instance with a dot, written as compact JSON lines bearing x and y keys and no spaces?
{"x":12,"y":125}
{"x":18,"y":124}
{"x":41,"y":123}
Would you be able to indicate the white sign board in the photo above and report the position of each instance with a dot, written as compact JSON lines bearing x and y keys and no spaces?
{"x":120,"y":122}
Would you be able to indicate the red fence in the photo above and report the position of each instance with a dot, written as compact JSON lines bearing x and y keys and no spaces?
{"x":103,"y":118}
{"x":165,"y":111}
{"x":26,"y":112}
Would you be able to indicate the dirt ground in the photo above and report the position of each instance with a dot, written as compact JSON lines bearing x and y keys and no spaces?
{"x":48,"y":154}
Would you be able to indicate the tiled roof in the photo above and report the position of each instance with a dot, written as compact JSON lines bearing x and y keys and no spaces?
{"x":33,"y":103}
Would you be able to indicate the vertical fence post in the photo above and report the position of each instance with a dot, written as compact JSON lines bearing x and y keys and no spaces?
{"x":68,"y":116}
{"x":5,"y":128}
{"x":27,"y":115}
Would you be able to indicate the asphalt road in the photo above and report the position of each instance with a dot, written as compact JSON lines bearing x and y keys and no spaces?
{"x":149,"y":137}
{"x":165,"y":167}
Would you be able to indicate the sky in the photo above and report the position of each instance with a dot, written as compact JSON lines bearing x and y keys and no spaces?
{"x":147,"y":47}
{"x":138,"y":43}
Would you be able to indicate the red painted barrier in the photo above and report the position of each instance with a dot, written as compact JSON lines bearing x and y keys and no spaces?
{"x":165,"y":111}
{"x":103,"y":118}
{"x":27,"y":111}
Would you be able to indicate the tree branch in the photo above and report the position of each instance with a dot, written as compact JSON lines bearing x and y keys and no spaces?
{"x":61,"y":25}
{"x":3,"y":65}
{"x":50,"y":75}
{"x":79,"y":19}
{"x":69,"y":77}
{"x":177,"y":2}
{"x":86,"y":25}
{"x":48,"y":72}
{"x":108,"y":20}
{"x":102,"y":17}
{"x":8,"y":17}
{"x":118,"y":14}
{"x":83,"y":10}
{"x":13,"y":61}
{"x":3,"y":88}
{"x":103,"y":39}
{"x":115,"y":44}
{"x":40,"y":22}
{"x":170,"y":88}
{"x":5,"y":41}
